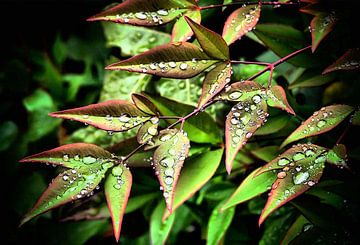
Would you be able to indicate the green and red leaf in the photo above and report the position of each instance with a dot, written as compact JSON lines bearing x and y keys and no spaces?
{"x":277,"y":98}
{"x":348,"y":61}
{"x":117,"y":190}
{"x":174,"y":60}
{"x":76,"y":156}
{"x":181,"y":31}
{"x":337,"y":156}
{"x":112,"y":115}
{"x":148,"y":130}
{"x":320,"y":122}
{"x":144,"y":104}
{"x":241,"y":91}
{"x":240,"y":22}
{"x":321,"y":26}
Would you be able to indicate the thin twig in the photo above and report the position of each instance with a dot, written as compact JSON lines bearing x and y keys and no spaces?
{"x":247,"y":3}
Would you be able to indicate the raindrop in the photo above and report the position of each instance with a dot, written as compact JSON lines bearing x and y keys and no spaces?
{"x":321,"y":158}
{"x":311,"y":183}
{"x":65,"y":177}
{"x":283,"y":161}
{"x":140,"y":16}
{"x":309,"y":153}
{"x":300,"y":177}
{"x":281,"y":175}
{"x":117,"y":186}
{"x":298,"y":156}
{"x":256,"y":99}
{"x":152,"y":66}
{"x":169,"y":180}
{"x":321,"y":123}
{"x":235,"y":95}
{"x":167,"y":162}
{"x":165,"y":137}
{"x":77,"y":157}
{"x":117,"y":171}
{"x":163,"y":12}
{"x":124,"y":118}
{"x":183,"y":66}
{"x":169,"y":171}
{"x":152,"y":131}
{"x":89,"y":160}
{"x":66,"y":157}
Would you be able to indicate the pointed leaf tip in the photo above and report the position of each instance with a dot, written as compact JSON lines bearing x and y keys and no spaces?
{"x":277,"y":98}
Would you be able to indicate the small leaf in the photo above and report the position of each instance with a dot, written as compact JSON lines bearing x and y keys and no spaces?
{"x":144,"y":12}
{"x":252,"y":186}
{"x":348,"y":61}
{"x":242,"y":121}
{"x":219,"y":222}
{"x":160,"y":229}
{"x":337,"y":156}
{"x":148,"y":130}
{"x":311,"y":80}
{"x":117,"y":190}
{"x":214,"y":82}
{"x":175,"y":60}
{"x":68,"y":186}
{"x":181,"y":31}
{"x":168,"y":161}
{"x":320,"y":122}
{"x":240,"y":22}
{"x":144,"y":104}
{"x":290,"y":184}
{"x":277,"y":98}
{"x":196,"y":173}
{"x":212,"y":43}
{"x":76,"y":156}
{"x":112,"y":115}
{"x":241,"y":91}
{"x":321,"y":26}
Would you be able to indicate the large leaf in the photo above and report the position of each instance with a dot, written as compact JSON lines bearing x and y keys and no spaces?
{"x":144,"y":12}
{"x":212,"y":43}
{"x":293,"y":182}
{"x":242,"y":121}
{"x":200,"y":128}
{"x":219,"y":222}
{"x":215,"y":81}
{"x":251,"y":187}
{"x":175,"y":60}
{"x":117,"y":190}
{"x":196,"y":173}
{"x":181,"y":31}
{"x":112,"y":115}
{"x":348,"y":61}
{"x":320,"y":122}
{"x":68,"y":186}
{"x":76,"y":156}
{"x":160,"y":229}
{"x":168,"y":160}
{"x":240,"y":22}
{"x":321,"y":26}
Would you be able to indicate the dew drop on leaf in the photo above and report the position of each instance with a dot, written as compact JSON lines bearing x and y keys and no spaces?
{"x":300,"y":177}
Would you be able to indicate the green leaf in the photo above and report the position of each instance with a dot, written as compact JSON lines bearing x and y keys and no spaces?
{"x":148,"y":130}
{"x":320,"y":122}
{"x":75,"y":156}
{"x":160,"y":229}
{"x":168,"y":160}
{"x":8,"y":134}
{"x":277,"y":98}
{"x":175,"y":60}
{"x":141,"y":39}
{"x":241,"y":122}
{"x":219,"y":222}
{"x":300,"y":224}
{"x":337,"y":156}
{"x":266,"y":153}
{"x":117,"y":190}
{"x":201,"y":128}
{"x":273,"y":125}
{"x":311,"y":79}
{"x":212,"y":43}
{"x":252,"y":186}
{"x":181,"y":31}
{"x":195,"y":174}
{"x":241,"y":91}
{"x":136,"y":202}
{"x":144,"y":12}
{"x":292,"y":181}
{"x":240,"y":22}
{"x":348,"y":61}
{"x":215,"y":81}
{"x":68,"y":186}
{"x":112,"y":115}
{"x":144,"y":104}
{"x":321,"y":26}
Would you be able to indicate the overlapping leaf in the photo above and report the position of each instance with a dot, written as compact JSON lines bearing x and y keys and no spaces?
{"x":320,"y":122}
{"x":277,"y":98}
{"x":145,"y":12}
{"x":144,"y":104}
{"x":160,"y":229}
{"x":181,"y":31}
{"x":240,"y":22}
{"x":348,"y":61}
{"x":117,"y":190}
{"x":175,"y":60}
{"x":148,"y":130}
{"x":337,"y":156}
{"x":321,"y":26}
{"x":112,"y":115}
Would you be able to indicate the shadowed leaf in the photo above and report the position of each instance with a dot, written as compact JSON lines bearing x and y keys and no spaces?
{"x":181,"y":31}
{"x":266,"y":153}
{"x":277,"y":98}
{"x":240,"y":22}
{"x":320,"y":122}
{"x":175,"y":60}
{"x":321,"y":26}
{"x":160,"y":229}
{"x":337,"y":156}
{"x":112,"y":115}
{"x":144,"y":104}
{"x":300,"y":225}
{"x":348,"y":61}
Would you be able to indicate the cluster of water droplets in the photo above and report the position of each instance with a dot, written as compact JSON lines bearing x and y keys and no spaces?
{"x":318,"y":121}
{"x":151,"y":129}
{"x":156,"y":17}
{"x":117,"y":172}
{"x":222,"y":76}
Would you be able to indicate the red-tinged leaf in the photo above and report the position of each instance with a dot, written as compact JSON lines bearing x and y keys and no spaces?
{"x":277,"y":98}
{"x":337,"y":156}
{"x":214,"y":82}
{"x":168,"y":161}
{"x":252,"y":186}
{"x":144,"y":104}
{"x":290,"y":184}
{"x":112,"y":115}
{"x":348,"y":61}
{"x":321,"y":26}
{"x":313,"y":9}
{"x":181,"y":31}
{"x":196,"y":173}
{"x":117,"y":191}
{"x":79,"y":155}
{"x":290,"y":157}
{"x":320,"y":122}
{"x":175,"y":60}
{"x":242,"y":121}
{"x":212,"y":43}
{"x":68,"y":186}
{"x":148,"y":130}
{"x":241,"y":91}
{"x":144,"y":12}
{"x":240,"y":22}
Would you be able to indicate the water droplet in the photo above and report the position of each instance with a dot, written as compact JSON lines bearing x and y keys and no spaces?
{"x":66,"y":157}
{"x":311,"y":183}
{"x":235,"y":95}
{"x":140,"y":16}
{"x":320,"y":159}
{"x":300,"y":177}
{"x":172,"y":64}
{"x":65,"y":177}
{"x":162,"y":12}
{"x":169,"y":171}
{"x":169,"y":180}
{"x":283,"y":161}
{"x":172,"y":151}
{"x":236,"y":139}
{"x":309,"y":153}
{"x":76,"y":157}
{"x":152,"y":131}
{"x":124,"y":118}
{"x":89,"y":160}
{"x":153,"y":66}
{"x":117,"y":186}
{"x":256,"y":99}
{"x":165,"y":137}
{"x":298,"y":156}
{"x":154,"y":120}
{"x":321,"y":123}
{"x":167,"y":162}
{"x":183,"y":66}
{"x":117,"y":171}
{"x":281,"y":175}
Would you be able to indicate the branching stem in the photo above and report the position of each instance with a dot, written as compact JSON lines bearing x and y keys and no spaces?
{"x":271,"y":3}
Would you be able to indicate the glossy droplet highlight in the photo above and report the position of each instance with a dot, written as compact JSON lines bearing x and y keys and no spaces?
{"x":235,"y":95}
{"x":300,"y":178}
{"x":283,"y":161}
{"x":89,"y":160}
